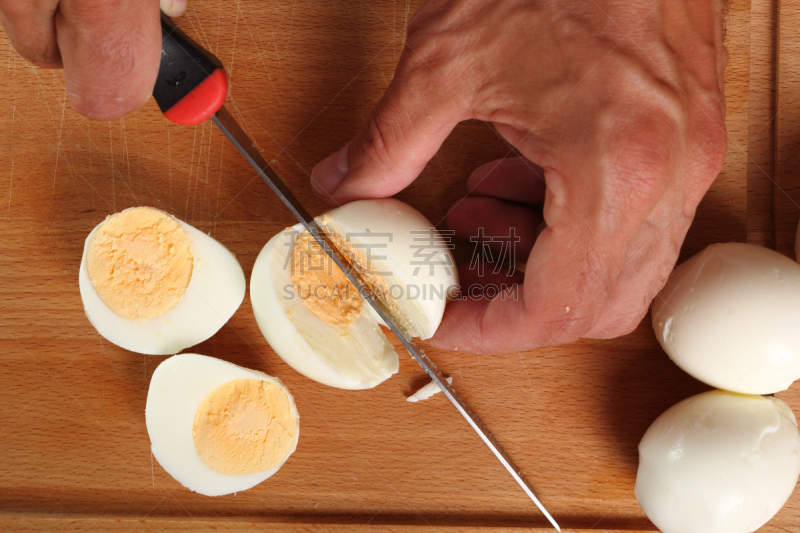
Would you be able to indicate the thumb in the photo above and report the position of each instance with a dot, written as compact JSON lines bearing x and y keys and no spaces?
{"x":403,"y":132}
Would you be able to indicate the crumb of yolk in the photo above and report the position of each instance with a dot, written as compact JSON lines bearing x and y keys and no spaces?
{"x":140,"y":262}
{"x":244,"y":426}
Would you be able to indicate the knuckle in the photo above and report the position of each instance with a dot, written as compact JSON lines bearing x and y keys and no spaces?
{"x":573,"y":319}
{"x":379,"y":134}
{"x":437,"y":57}
{"x":42,"y":56}
{"x":711,"y":150}
{"x":108,"y":81}
{"x":640,"y":155}
{"x":568,"y":328}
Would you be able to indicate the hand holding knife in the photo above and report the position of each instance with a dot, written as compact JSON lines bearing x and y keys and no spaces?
{"x":191,"y":88}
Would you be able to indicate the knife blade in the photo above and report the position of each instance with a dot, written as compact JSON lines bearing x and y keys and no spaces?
{"x":191,"y":87}
{"x":228,"y":125}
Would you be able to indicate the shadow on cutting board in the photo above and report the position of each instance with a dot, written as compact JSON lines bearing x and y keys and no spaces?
{"x":645,"y":383}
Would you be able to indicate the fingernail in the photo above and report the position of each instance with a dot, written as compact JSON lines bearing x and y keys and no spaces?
{"x":330,"y":173}
{"x":173,"y":8}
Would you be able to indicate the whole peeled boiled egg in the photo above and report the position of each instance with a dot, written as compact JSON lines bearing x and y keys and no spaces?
{"x":718,"y":462}
{"x":730,"y":317}
{"x":314,"y":318}
{"x":153,"y":284}
{"x":216,"y":427}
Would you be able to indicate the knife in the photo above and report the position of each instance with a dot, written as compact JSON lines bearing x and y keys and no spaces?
{"x":191,"y":88}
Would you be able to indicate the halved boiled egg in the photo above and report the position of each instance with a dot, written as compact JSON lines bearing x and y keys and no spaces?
{"x":314,"y":318}
{"x":153,"y":284}
{"x":216,"y":427}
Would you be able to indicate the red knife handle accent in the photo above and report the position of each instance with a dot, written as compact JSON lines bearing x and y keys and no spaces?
{"x":191,"y":85}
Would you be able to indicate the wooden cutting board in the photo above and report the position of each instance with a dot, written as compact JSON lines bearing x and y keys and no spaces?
{"x":304,"y":76}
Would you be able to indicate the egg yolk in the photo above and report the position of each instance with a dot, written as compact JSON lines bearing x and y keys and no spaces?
{"x":244,"y":426}
{"x":321,"y":285}
{"x":140,"y":262}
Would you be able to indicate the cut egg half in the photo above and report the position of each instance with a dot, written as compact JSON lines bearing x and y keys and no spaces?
{"x":314,"y":318}
{"x":152,"y":284}
{"x":216,"y":427}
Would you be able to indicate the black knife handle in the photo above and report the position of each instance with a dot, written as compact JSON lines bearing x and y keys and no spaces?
{"x":191,"y":85}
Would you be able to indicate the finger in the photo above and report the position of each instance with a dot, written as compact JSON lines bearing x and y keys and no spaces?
{"x":403,"y":132}
{"x":651,"y":257}
{"x":480,"y":279}
{"x":30,"y":27}
{"x":505,"y":227}
{"x":562,"y":297}
{"x":111,"y":53}
{"x":173,"y":8}
{"x":576,"y":261}
{"x":650,"y":260}
{"x":512,"y":178}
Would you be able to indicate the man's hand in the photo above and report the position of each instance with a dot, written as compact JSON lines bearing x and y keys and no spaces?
{"x":618,"y":110}
{"x":110,"y":49}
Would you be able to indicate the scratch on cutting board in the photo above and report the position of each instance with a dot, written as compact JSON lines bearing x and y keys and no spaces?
{"x":199,"y":169}
{"x":58,"y":150}
{"x":35,"y":72}
{"x":275,"y":43}
{"x":219,"y":184}
{"x":408,"y":10}
{"x":113,"y":175}
{"x":206,"y":201}
{"x":13,"y":156}
{"x":261,"y":53}
{"x":169,"y":169}
{"x":191,"y":170}
{"x":530,"y":383}
{"x":233,"y":45}
{"x":219,"y":26}
{"x":291,"y":25}
{"x":13,"y":116}
{"x":205,"y":42}
{"x":126,"y":158}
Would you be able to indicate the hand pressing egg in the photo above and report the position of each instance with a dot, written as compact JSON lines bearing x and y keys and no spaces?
{"x":153,"y":284}
{"x":730,"y":317}
{"x":314,"y":318}
{"x":216,"y":427}
{"x":718,"y":462}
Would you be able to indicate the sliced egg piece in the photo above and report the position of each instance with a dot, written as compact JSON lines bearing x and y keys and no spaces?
{"x":718,"y":462}
{"x":218,"y":428}
{"x":314,"y":318}
{"x":729,"y":317}
{"x":153,"y":284}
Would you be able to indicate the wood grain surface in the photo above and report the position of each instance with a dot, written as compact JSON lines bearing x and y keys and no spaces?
{"x":304,"y":76}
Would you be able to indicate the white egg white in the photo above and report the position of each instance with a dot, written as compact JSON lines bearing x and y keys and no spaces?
{"x":729,"y":317}
{"x":177,"y":388}
{"x":718,"y":462}
{"x":215,"y":291}
{"x":360,"y":357}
